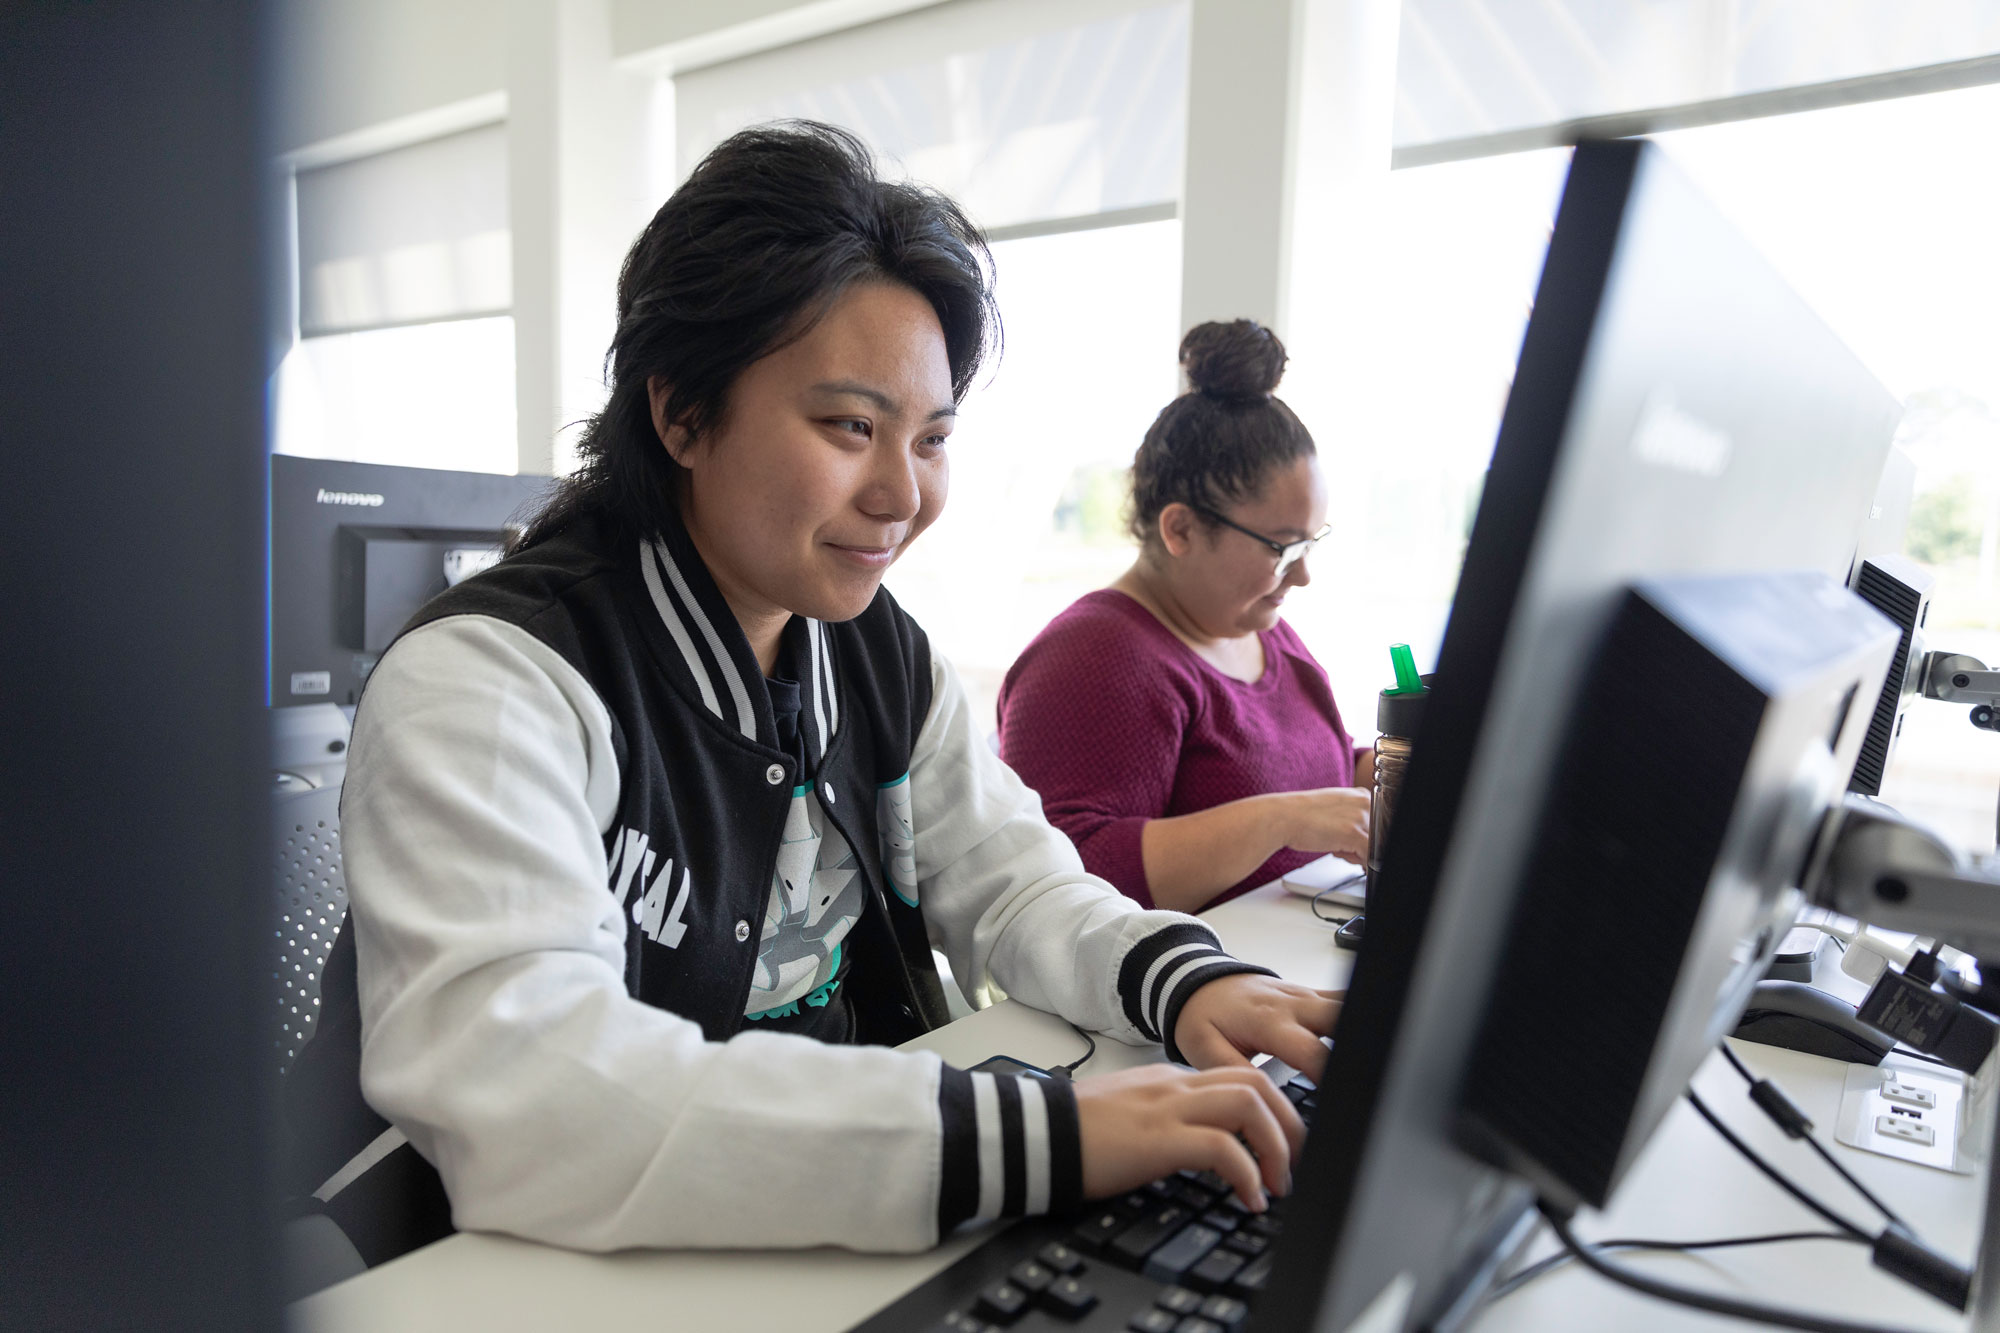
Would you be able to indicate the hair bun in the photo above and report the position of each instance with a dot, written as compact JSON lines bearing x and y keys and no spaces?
{"x":1240,"y":359}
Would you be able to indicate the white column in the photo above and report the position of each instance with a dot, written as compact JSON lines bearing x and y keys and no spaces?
{"x":575,"y":129}
{"x":1290,"y":104}
{"x":1233,"y":191}
{"x":1341,"y":135}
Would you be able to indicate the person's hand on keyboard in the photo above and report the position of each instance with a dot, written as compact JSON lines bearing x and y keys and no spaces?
{"x":1141,"y":1124}
{"x":1236,"y":1017}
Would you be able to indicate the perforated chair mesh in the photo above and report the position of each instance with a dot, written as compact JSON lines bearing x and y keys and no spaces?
{"x":312,"y":902}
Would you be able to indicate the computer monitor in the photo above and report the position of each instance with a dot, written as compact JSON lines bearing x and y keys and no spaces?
{"x":1677,"y":412}
{"x":1900,"y":589}
{"x":356,"y":548}
{"x":1886,"y":527}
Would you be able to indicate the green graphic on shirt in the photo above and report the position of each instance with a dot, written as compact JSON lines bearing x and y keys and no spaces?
{"x":815,"y":899}
{"x":819,"y":999}
{"x":897,"y":823}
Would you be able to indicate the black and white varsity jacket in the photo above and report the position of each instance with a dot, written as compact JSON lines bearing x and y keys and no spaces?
{"x":564,"y":802}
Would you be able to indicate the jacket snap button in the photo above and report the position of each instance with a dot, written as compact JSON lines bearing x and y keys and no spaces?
{"x":774,"y":774}
{"x":742,"y":931}
{"x":829,"y":795}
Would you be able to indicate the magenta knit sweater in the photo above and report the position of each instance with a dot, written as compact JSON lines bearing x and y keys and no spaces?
{"x":1115,"y":722}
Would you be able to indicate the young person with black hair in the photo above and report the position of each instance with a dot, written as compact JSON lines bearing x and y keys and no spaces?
{"x":650,"y":829}
{"x":1177,"y":730}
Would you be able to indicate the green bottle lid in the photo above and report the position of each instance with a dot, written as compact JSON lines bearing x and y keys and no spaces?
{"x":1398,"y":710}
{"x":1407,"y":679}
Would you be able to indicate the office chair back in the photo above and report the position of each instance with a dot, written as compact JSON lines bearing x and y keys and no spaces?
{"x":312,"y":903}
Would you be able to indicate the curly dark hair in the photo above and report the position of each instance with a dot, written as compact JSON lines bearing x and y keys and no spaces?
{"x":745,"y":257}
{"x":1219,"y":441}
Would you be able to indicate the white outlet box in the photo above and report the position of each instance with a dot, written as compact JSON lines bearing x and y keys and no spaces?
{"x":1906,"y":1112}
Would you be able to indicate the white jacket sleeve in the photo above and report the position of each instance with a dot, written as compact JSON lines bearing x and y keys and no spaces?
{"x":1005,"y":894}
{"x":499,"y":1037}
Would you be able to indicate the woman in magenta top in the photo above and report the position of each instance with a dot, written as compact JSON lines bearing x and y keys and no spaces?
{"x":1177,"y":730}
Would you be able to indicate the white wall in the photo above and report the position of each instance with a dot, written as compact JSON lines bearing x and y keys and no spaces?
{"x":690,"y":33}
{"x":1290,"y":118}
{"x":349,"y":66}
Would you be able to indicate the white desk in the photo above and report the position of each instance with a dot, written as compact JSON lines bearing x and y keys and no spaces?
{"x":1687,"y":1185}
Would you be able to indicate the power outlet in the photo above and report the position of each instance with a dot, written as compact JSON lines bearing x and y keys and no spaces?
{"x":1915,"y":1096}
{"x":1905,"y":1131}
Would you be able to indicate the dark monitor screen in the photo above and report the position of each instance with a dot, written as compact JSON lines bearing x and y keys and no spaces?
{"x":356,"y":548}
{"x":1676,"y":411}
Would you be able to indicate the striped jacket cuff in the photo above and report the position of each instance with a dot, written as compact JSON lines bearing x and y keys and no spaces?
{"x":1167,"y":967}
{"x":1012,"y":1147}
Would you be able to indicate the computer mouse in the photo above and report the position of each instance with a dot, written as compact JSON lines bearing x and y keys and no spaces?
{"x":1798,"y":1017}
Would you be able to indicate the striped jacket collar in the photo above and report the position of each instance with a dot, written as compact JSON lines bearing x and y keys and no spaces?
{"x":721,"y":669}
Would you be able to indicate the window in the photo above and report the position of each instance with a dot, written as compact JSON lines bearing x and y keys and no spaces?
{"x":1022,"y":110}
{"x":406,"y":353}
{"x":1471,"y":70}
{"x":422,"y":395}
{"x":1881,"y":214}
{"x":1038,"y":458}
{"x":1462,"y":250}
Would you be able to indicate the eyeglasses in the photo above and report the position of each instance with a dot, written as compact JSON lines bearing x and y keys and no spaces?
{"x":1288,"y":553}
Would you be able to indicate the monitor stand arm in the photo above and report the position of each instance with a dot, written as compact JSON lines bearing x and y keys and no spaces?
{"x":1882,"y":868}
{"x":1957,"y":678}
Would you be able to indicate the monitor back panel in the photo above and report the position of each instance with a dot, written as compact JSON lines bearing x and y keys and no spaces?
{"x":343,"y":531}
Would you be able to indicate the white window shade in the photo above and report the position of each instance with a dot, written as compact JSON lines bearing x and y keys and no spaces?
{"x":1025,"y":111}
{"x":410,"y":236}
{"x":1482,"y":74}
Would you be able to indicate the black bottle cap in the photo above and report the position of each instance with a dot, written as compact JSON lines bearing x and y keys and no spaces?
{"x":1397,"y":712}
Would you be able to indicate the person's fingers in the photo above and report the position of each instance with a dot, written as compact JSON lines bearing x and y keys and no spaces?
{"x":1218,"y":1151}
{"x":1297,"y":1046}
{"x":1283,"y":1113}
{"x":1317,"y":1010}
{"x":1236,"y":1107}
{"x":1206,"y":1047}
{"x":1287,"y":1115}
{"x":1267,"y":1121}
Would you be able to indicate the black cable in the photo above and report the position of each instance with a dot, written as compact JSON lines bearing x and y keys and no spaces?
{"x":1521,"y":1279}
{"x":1776,"y":1176}
{"x":1070,"y":1069}
{"x":1736,"y":1063}
{"x":1888,"y":1213}
{"x":1794,"y":1122}
{"x":1336,"y":887}
{"x":1701,"y":1300}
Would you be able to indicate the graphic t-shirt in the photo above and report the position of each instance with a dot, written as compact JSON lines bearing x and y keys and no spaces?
{"x":816,"y":897}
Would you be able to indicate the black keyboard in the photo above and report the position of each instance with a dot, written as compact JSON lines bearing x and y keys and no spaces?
{"x":1181,"y":1255}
